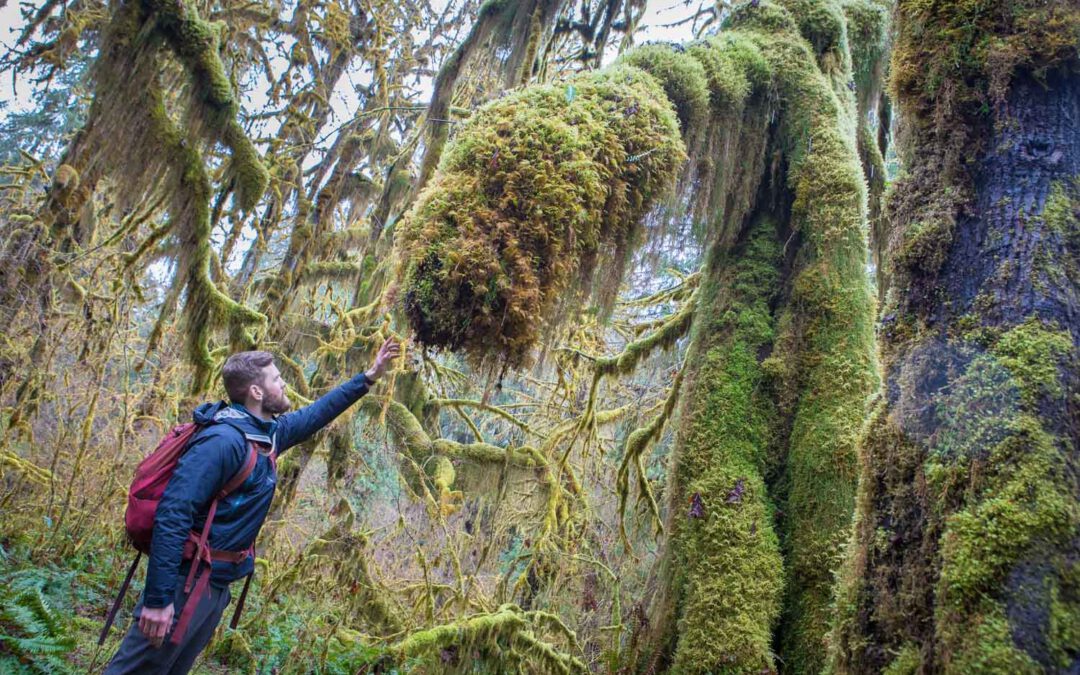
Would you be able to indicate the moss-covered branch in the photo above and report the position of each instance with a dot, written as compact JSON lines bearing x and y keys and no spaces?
{"x":505,"y":638}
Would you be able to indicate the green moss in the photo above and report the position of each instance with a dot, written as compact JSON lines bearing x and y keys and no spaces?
{"x":504,"y":640}
{"x":1016,"y":500}
{"x":767,"y":18}
{"x":1061,"y":214}
{"x":826,"y":344}
{"x":733,"y":66}
{"x":1033,"y":353}
{"x":868,"y":39}
{"x":1064,"y":630}
{"x":925,"y":245}
{"x":906,"y":662}
{"x":196,"y":43}
{"x":987,"y":647}
{"x":529,"y":194}
{"x":683,"y":79}
{"x":977,"y":50}
{"x":729,"y":573}
{"x":822,"y":24}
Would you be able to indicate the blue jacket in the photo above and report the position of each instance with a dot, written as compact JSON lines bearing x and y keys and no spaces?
{"x":216,"y":453}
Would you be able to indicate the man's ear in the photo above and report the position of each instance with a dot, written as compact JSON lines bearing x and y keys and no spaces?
{"x":256,"y":392}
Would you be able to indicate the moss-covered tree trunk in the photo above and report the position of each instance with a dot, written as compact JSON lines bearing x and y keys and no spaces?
{"x":966,"y":553}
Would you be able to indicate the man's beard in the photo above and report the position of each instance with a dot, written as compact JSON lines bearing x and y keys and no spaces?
{"x":276,"y":406}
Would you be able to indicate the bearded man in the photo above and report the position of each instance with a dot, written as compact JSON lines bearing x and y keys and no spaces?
{"x":255,"y":417}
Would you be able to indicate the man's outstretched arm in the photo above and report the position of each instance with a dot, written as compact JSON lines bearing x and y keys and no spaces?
{"x":298,"y":426}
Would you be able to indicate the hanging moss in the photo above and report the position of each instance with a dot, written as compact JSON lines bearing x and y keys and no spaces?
{"x":535,"y":191}
{"x":196,"y":43}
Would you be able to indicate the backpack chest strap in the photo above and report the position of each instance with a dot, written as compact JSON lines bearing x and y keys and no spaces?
{"x":200,"y":552}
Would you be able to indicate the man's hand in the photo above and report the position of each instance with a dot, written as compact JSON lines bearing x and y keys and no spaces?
{"x":390,"y":350}
{"x":155,"y":623}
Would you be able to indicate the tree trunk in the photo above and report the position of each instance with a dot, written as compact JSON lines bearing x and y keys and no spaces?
{"x":966,"y":552}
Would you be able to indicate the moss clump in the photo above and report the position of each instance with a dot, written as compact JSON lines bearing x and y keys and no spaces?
{"x":1061,"y":214}
{"x":683,"y":79}
{"x":823,"y":25}
{"x":733,"y":65}
{"x":535,"y":193}
{"x":506,"y":640}
{"x":906,"y":662}
{"x":728,"y":569}
{"x":1032,"y":352}
{"x":925,"y":245}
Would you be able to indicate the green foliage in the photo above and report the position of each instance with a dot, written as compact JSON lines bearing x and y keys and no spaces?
{"x":34,"y":638}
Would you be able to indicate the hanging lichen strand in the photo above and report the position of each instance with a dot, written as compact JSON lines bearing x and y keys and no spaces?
{"x":964,"y":556}
{"x":537,"y":192}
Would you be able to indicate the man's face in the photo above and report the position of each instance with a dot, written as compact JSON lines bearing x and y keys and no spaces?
{"x":274,"y":400}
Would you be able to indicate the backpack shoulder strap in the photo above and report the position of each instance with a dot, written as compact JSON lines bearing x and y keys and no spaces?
{"x":241,"y":475}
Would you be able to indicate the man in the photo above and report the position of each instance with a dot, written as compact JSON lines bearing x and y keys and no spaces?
{"x":216,"y":454}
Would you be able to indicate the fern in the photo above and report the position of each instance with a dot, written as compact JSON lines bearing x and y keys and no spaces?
{"x":33,"y":636}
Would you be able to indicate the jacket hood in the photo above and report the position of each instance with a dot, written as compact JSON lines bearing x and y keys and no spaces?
{"x":223,"y":413}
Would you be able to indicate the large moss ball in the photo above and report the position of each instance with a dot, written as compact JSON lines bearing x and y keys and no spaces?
{"x":535,"y":189}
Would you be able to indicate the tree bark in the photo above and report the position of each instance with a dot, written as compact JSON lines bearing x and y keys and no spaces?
{"x":966,"y":552}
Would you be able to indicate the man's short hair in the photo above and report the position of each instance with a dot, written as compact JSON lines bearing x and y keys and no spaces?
{"x":242,"y":370}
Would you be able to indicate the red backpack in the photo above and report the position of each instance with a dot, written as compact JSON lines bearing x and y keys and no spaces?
{"x":151,"y":477}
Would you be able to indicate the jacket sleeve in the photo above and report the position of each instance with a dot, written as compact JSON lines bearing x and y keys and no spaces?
{"x":298,"y":426}
{"x":202,"y":471}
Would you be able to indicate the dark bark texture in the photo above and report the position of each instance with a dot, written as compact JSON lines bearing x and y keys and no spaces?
{"x":966,"y":552}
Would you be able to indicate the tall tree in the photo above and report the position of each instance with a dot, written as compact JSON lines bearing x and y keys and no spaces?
{"x":966,"y":551}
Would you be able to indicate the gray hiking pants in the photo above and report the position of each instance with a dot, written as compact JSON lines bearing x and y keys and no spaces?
{"x":137,"y":655}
